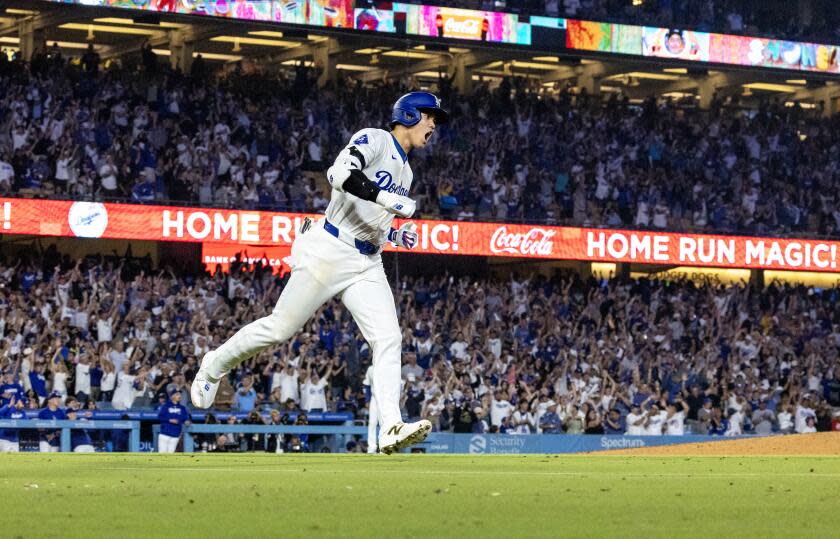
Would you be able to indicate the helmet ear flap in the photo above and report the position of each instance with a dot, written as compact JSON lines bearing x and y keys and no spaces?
{"x":405,"y":116}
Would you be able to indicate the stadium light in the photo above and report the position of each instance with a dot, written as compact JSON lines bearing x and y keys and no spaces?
{"x":801,"y":82}
{"x":62,"y":44}
{"x":16,"y":11}
{"x":409,"y":54}
{"x":90,"y":28}
{"x":770,"y":87}
{"x":533,"y":65}
{"x":677,"y":70}
{"x":677,"y":95}
{"x":70,"y":45}
{"x":555,"y":59}
{"x":367,"y":51}
{"x":790,"y":104}
{"x":266,"y":33}
{"x":113,"y":20}
{"x":354,"y":67}
{"x":651,"y":76}
{"x":255,"y":41}
{"x":205,"y":55}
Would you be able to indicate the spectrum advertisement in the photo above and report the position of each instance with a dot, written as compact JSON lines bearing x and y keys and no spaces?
{"x":509,"y":28}
{"x":276,"y":229}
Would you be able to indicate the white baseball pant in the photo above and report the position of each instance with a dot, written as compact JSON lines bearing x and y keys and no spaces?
{"x":323,"y":267}
{"x":373,"y":422}
{"x":45,"y":447}
{"x":167,"y":444}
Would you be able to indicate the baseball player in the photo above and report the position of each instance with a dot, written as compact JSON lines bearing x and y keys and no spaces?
{"x":10,"y":438}
{"x":340,"y":255}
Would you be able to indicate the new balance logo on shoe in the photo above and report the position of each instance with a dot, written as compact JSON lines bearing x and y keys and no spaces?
{"x":395,"y":430}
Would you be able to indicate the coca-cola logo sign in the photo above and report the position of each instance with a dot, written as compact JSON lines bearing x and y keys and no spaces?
{"x":535,"y":242}
{"x":468,"y":27}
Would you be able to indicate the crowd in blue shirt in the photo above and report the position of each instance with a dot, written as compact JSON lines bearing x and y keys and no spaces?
{"x":506,"y":354}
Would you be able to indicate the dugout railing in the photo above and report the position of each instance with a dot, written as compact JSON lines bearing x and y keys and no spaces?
{"x":66,"y":425}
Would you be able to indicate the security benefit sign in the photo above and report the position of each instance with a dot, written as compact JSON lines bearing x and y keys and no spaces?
{"x":247,"y":228}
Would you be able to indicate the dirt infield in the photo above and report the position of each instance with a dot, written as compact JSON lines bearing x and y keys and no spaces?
{"x":823,"y":443}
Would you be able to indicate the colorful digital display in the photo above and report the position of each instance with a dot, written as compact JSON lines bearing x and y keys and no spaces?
{"x":374,"y":20}
{"x":626,"y":39}
{"x":499,"y":27}
{"x":777,"y":53}
{"x":548,"y":22}
{"x":701,"y":46}
{"x":251,"y":10}
{"x":325,"y":13}
{"x":492,"y":26}
{"x":589,"y":36}
{"x":676,"y":44}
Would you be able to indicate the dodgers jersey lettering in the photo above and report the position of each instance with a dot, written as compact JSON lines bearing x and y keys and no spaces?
{"x":385,"y":164}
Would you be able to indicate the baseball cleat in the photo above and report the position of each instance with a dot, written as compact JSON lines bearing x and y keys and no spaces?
{"x":203,"y":389}
{"x":402,"y":435}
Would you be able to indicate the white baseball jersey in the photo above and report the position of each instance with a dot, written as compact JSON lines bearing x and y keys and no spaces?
{"x":675,"y":425}
{"x":386,"y":164}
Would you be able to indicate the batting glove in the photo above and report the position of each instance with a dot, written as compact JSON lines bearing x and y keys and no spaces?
{"x":397,"y":204}
{"x":405,"y":236}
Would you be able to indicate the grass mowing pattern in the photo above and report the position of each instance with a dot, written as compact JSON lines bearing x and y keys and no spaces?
{"x":257,"y":495}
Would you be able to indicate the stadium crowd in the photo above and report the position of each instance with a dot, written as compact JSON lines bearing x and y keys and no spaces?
{"x":510,"y":355}
{"x":513,"y":153}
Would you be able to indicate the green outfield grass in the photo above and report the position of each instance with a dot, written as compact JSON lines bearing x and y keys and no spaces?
{"x":213,"y":496}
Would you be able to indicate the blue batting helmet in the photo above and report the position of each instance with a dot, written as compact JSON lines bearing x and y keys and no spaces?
{"x":407,"y":109}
